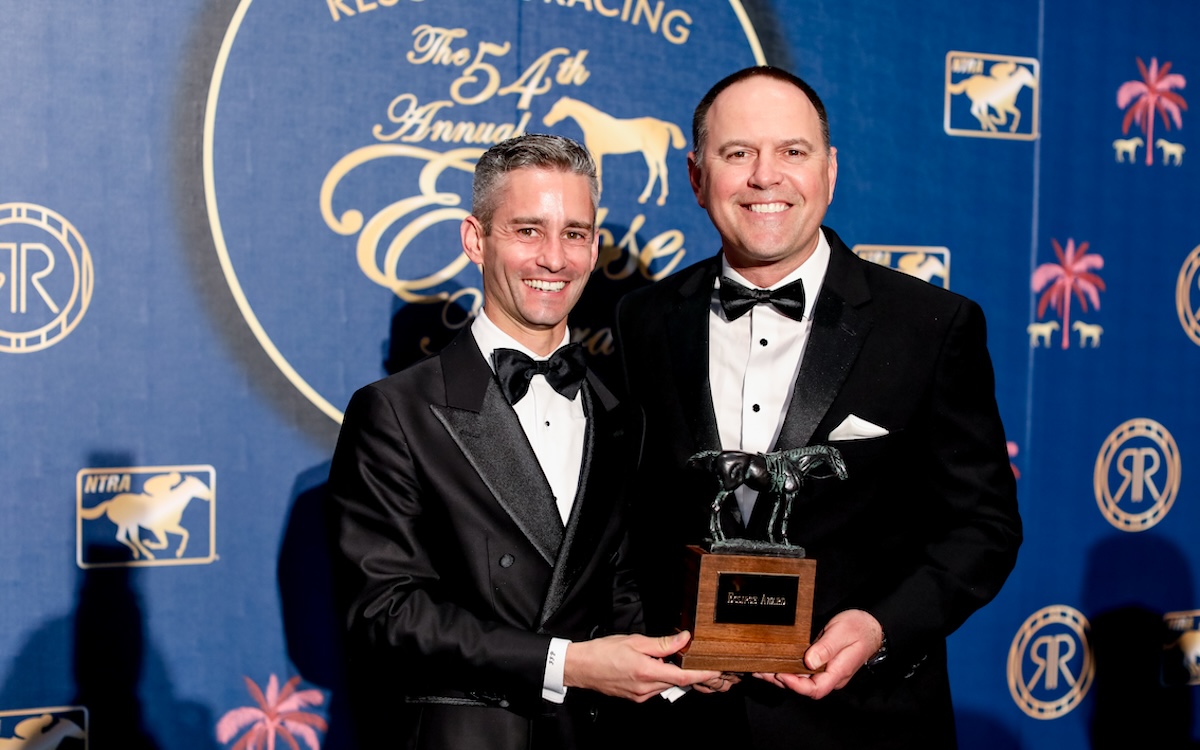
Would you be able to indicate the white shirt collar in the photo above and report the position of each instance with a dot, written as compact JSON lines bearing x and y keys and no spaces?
{"x":489,"y":338}
{"x":812,"y":271}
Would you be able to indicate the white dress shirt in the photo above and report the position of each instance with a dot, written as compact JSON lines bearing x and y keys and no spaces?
{"x":753,"y":363}
{"x":556,"y":428}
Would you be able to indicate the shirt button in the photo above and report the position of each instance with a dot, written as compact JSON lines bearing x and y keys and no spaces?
{"x":504,"y":703}
{"x":506,"y":561}
{"x":756,"y":407}
{"x":762,"y":342}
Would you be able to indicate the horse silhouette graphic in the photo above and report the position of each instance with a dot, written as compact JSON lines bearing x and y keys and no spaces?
{"x":996,"y":91}
{"x":1042,"y":331}
{"x":923,"y":266}
{"x":158,"y":509}
{"x":1127,"y":147}
{"x":1087,"y":332}
{"x":1171,"y":151}
{"x":1189,"y":645}
{"x":41,"y":733}
{"x":604,"y":134}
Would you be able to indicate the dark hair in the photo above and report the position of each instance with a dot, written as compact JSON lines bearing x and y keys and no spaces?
{"x":527,"y":151}
{"x":700,"y":118}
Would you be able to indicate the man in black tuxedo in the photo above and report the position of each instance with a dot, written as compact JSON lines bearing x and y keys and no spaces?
{"x":889,"y":369}
{"x":478,"y":499}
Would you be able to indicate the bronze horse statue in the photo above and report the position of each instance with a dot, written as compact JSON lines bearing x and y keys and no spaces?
{"x":778,"y":476}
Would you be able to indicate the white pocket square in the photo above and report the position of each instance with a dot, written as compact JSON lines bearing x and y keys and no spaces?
{"x":856,"y":428}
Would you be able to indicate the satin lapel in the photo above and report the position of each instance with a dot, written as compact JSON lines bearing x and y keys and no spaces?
{"x":489,"y":434}
{"x":687,"y":326}
{"x":593,"y":504}
{"x":839,"y":329}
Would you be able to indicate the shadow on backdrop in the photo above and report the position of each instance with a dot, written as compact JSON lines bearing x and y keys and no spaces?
{"x":109,"y":655}
{"x":1132,"y":580}
{"x":112,"y":671}
{"x":419,"y":330}
{"x":99,"y":657}
{"x":311,"y":617}
{"x":770,"y":33}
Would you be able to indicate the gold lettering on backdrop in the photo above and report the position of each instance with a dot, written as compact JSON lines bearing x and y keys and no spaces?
{"x":477,"y":69}
{"x":675,"y":25}
{"x":620,"y":260}
{"x":598,"y":343}
{"x":480,"y":80}
{"x":339,"y":9}
{"x":410,"y":121}
{"x":432,"y":45}
{"x":533,"y":81}
{"x":371,"y":232}
{"x":415,"y":122}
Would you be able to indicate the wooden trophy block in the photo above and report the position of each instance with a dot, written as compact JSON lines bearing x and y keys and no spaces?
{"x":748,"y":613}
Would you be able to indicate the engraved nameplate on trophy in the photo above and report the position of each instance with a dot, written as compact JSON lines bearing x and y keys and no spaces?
{"x":749,"y":602}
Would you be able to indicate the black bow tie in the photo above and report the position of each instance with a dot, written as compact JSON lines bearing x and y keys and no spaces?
{"x":564,"y":371}
{"x":737,"y":300}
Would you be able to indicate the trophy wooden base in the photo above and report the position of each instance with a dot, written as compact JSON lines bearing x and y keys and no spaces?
{"x":747,"y":613}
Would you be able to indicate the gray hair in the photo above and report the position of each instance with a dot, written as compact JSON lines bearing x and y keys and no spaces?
{"x":527,"y":151}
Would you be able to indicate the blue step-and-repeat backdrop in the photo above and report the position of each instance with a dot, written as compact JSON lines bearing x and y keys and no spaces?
{"x":220,"y":218}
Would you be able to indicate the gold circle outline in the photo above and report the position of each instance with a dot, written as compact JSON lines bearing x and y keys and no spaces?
{"x":1160,"y":436}
{"x":1183,"y":287}
{"x":81,"y":290}
{"x":1055,"y":614}
{"x":214,"y":217}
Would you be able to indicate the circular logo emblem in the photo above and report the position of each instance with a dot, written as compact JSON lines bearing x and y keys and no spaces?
{"x":1050,"y":664}
{"x":45,"y":277}
{"x":1189,"y":316}
{"x":1137,"y":475}
{"x":341,"y":137}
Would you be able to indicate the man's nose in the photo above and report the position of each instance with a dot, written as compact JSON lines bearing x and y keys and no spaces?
{"x":554,"y":255}
{"x":766,"y":171}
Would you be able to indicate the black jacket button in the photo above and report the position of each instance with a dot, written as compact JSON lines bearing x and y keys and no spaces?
{"x":507,"y":560}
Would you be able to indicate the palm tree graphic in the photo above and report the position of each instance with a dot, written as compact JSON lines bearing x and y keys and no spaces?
{"x":1151,"y":94}
{"x":278,"y":713}
{"x":1072,"y":274}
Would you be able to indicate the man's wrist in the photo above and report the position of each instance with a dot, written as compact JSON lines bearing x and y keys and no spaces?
{"x":879,"y":656}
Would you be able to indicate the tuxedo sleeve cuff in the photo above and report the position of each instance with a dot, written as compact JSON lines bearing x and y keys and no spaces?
{"x":553,"y":688}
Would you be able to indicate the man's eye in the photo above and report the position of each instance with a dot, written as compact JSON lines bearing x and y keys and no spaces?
{"x":576,"y":236}
{"x":527,"y":232}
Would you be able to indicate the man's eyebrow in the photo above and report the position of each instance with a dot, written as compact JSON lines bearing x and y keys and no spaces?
{"x":538,"y":221}
{"x":802,"y":142}
{"x":785,"y":143}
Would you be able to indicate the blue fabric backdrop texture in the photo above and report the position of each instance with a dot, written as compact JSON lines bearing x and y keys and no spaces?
{"x":220,"y":218}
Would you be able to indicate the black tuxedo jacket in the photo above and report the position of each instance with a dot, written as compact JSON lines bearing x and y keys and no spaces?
{"x":455,"y":562}
{"x":922,"y":533}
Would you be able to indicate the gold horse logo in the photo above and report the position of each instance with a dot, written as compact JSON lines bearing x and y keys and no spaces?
{"x":159,"y":510}
{"x":41,"y":733}
{"x":604,"y":134}
{"x":996,"y":91}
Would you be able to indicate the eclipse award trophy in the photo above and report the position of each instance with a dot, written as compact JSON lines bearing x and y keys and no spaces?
{"x":749,"y":602}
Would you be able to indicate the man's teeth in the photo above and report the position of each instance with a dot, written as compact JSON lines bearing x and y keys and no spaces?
{"x":768,"y":208}
{"x":546,"y":286}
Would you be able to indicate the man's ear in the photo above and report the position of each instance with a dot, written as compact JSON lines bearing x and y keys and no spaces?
{"x":472,"y":234}
{"x":595,"y":248}
{"x":695,"y":177}
{"x":833,"y":170}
